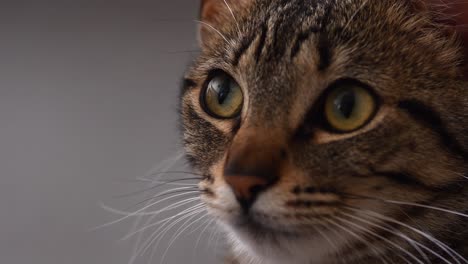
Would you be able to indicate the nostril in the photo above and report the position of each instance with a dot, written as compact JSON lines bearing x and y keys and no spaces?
{"x":256,"y":190}
{"x":246,"y":188}
{"x":283,"y":154}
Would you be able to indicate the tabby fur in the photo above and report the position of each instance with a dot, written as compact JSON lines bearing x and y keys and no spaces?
{"x":381,"y":194}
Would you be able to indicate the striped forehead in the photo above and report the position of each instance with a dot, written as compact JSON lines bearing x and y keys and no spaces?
{"x":266,"y":54}
{"x":278,"y":33}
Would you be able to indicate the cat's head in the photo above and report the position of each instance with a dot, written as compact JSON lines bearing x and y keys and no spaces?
{"x":312,"y":120}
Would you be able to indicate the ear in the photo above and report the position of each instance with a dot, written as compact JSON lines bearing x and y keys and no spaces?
{"x":218,"y":17}
{"x":454,"y":15}
{"x":450,"y":16}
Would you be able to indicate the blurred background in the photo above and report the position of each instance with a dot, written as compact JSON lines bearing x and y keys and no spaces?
{"x":88,"y":98}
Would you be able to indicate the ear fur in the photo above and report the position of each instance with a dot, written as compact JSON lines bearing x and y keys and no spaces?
{"x":448,"y":16}
{"x":453,"y":15}
{"x":218,"y":16}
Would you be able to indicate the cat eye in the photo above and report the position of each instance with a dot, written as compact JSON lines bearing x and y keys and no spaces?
{"x":349,"y":107}
{"x":222,"y":97}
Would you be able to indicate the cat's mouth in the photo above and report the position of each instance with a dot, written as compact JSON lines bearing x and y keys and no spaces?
{"x":257,"y":227}
{"x":262,"y":226}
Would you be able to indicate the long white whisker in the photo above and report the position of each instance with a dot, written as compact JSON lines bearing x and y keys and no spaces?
{"x":333,"y":245}
{"x":355,"y":14}
{"x":343,"y":259}
{"x":163,"y":233}
{"x":181,"y":230}
{"x":200,"y":226}
{"x":150,"y":219}
{"x":358,"y":237}
{"x":211,"y":237}
{"x":147,"y":226}
{"x":439,"y":243}
{"x":416,"y":245}
{"x":174,"y":183}
{"x":384,"y":239}
{"x":173,"y":190}
{"x":203,"y":231}
{"x":165,"y":165}
{"x":147,"y":243}
{"x":427,"y":207}
{"x":214,"y":29}
{"x":233,"y":16}
{"x":138,"y":212}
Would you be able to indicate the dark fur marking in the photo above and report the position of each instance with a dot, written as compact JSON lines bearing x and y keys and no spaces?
{"x":301,"y":38}
{"x":325,"y":55}
{"x":261,"y":43}
{"x":326,"y":17}
{"x":429,"y":118}
{"x":191,"y":159}
{"x":245,"y":45}
{"x":278,"y":47}
{"x":296,"y":190}
{"x":311,"y":203}
{"x":208,"y":192}
{"x":323,"y":47}
{"x":403,"y":178}
{"x":237,"y":126}
{"x":187,"y":84}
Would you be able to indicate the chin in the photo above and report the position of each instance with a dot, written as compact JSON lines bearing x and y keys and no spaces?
{"x":252,"y":240}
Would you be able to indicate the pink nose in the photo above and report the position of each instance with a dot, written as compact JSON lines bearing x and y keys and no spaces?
{"x":246,"y":188}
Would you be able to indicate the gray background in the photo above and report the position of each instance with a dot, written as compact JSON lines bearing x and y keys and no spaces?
{"x":88,"y":97}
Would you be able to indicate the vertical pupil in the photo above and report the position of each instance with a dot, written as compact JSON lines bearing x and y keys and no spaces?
{"x":345,"y":103}
{"x":223,"y":90}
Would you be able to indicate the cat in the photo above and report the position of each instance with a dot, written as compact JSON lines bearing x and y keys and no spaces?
{"x":330,"y":131}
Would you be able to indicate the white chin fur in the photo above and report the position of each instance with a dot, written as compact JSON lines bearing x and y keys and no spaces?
{"x":284,"y":251}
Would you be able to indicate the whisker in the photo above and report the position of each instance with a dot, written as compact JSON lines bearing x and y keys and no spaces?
{"x":200,"y":226}
{"x":383,"y":239}
{"x":161,"y":184}
{"x":440,"y":209}
{"x":343,"y":259}
{"x":139,"y":212}
{"x":213,"y":233}
{"x":181,"y":230}
{"x":165,"y":165}
{"x":322,"y":234}
{"x":213,"y":28}
{"x":355,"y":14}
{"x":147,"y":243}
{"x":156,"y":237}
{"x":358,"y":237}
{"x":192,"y":190}
{"x":147,"y":225}
{"x":443,"y":246}
{"x":209,"y":223}
{"x":233,"y":16}
{"x":427,"y":207}
{"x":416,"y":245}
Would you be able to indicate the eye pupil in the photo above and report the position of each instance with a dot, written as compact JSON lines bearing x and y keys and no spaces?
{"x":223,"y":92}
{"x":345,"y":103}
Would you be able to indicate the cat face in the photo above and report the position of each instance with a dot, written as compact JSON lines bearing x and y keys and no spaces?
{"x":317,"y":123}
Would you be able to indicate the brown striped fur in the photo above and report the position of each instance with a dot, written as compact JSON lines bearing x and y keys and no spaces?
{"x":361,"y":197}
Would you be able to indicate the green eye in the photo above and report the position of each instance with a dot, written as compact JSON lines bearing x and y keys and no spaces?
{"x":223,"y":97}
{"x":349,"y":107}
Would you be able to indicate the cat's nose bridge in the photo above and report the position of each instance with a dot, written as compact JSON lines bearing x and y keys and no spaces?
{"x":252,"y":166}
